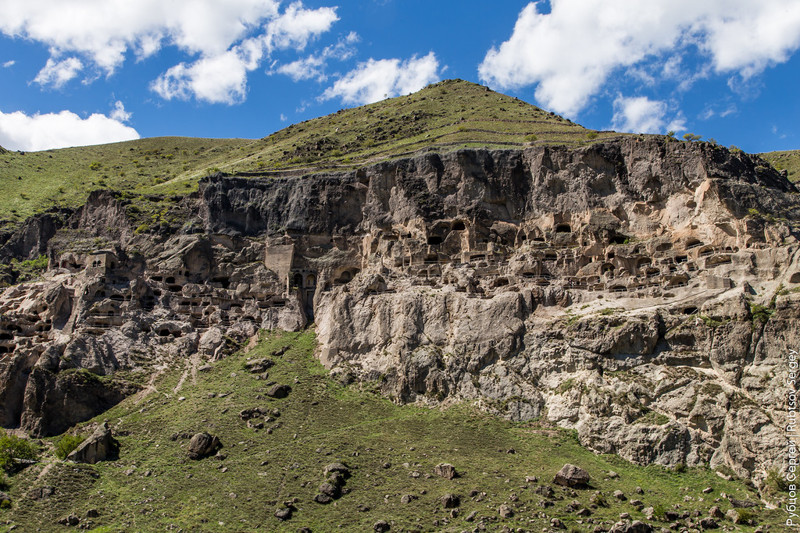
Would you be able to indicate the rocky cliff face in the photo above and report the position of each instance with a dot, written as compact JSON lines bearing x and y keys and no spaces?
{"x":641,"y":292}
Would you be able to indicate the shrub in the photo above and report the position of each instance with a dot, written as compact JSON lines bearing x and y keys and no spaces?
{"x":744,"y":516}
{"x":66,"y":444}
{"x":95,"y":165}
{"x":691,"y":137}
{"x":761,"y":313}
{"x":13,"y":447}
{"x":591,"y":135}
{"x":660,"y":512}
{"x":775,"y":482}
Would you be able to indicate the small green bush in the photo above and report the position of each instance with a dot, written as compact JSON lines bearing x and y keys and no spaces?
{"x":660,"y":512}
{"x":95,"y":165}
{"x":775,"y":482}
{"x":13,"y":447}
{"x":591,"y":135}
{"x":761,"y":313}
{"x":66,"y":444}
{"x":744,"y":516}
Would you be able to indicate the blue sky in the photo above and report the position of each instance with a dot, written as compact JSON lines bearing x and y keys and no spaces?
{"x":76,"y":72}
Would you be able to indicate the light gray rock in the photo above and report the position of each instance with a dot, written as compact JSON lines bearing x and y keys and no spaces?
{"x":99,"y":446}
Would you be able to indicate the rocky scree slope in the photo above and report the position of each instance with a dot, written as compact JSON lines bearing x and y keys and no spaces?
{"x":641,"y":291}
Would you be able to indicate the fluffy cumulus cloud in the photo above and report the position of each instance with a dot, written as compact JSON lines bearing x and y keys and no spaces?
{"x":57,"y":73}
{"x":119,"y":113}
{"x":375,"y":80}
{"x":313,"y":66}
{"x":226,"y":38}
{"x":639,"y":114}
{"x":19,"y":131}
{"x":570,"y":52}
{"x":222,"y":77}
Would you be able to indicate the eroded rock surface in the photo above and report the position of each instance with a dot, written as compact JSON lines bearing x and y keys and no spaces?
{"x":641,"y":292}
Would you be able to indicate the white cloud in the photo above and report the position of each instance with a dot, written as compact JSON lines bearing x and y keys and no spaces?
{"x":230,"y":37}
{"x":9,"y":63}
{"x":57,"y":73}
{"x":307,"y":68}
{"x":639,"y":114}
{"x":375,"y":80}
{"x":119,"y":113}
{"x":222,"y":77}
{"x":218,"y":79}
{"x":297,"y":25}
{"x":570,"y":52}
{"x":313,"y":66}
{"x":104,"y":30}
{"x":19,"y":131}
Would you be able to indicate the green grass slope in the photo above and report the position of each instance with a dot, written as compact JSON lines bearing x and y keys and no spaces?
{"x":391,"y":451}
{"x":446,"y":116}
{"x":788,"y":160}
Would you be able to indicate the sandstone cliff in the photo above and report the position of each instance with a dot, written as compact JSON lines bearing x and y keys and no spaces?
{"x":640,"y":291}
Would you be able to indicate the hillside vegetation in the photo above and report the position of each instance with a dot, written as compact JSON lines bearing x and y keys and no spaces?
{"x":445,"y":116}
{"x":391,"y":452}
{"x":788,"y":160}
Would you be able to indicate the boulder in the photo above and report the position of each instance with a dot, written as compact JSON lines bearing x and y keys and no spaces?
{"x":708,"y":523}
{"x":284,"y":513}
{"x":279,"y":391}
{"x":202,"y":445}
{"x":100,"y":446}
{"x":40,"y":493}
{"x":258,"y":366}
{"x":323,"y":499}
{"x":445,"y":470}
{"x":572,"y":476}
{"x":381,"y":526}
{"x":637,"y":526}
{"x":329,"y":490}
{"x":338,"y":468}
{"x":450,"y":501}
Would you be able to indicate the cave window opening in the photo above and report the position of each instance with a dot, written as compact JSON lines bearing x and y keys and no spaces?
{"x":563,"y":228}
{"x":459,"y":226}
{"x":434,"y":240}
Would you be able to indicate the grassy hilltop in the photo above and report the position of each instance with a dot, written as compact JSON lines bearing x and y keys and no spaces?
{"x":442,"y":117}
{"x":445,"y":116}
{"x":391,"y":452}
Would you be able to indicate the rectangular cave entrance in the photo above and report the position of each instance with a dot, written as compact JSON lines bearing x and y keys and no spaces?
{"x":306,"y":285}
